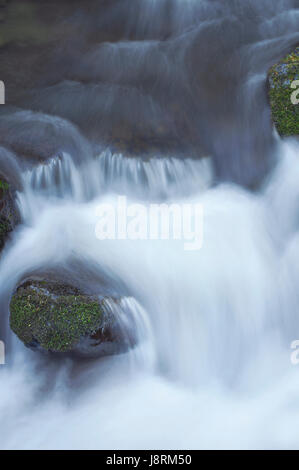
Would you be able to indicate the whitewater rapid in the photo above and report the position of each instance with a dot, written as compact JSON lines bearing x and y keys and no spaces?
{"x":212,"y":366}
{"x":159,"y":101}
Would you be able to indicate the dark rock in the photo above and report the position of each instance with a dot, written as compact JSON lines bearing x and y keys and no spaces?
{"x":37,"y":137}
{"x":59,"y":318}
{"x":9,"y":216}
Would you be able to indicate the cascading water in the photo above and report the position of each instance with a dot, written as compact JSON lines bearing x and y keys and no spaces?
{"x":211,"y":366}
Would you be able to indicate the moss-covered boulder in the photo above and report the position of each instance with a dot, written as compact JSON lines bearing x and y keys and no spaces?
{"x":59,"y":318}
{"x":285,"y":114}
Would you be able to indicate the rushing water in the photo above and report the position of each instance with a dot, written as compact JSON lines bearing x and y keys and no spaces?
{"x":211,"y":367}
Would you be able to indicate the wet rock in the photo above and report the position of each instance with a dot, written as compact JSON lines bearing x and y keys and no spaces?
{"x":285,"y":114}
{"x":33,"y":33}
{"x":5,"y":229}
{"x":123,"y":118}
{"x":20,"y":23}
{"x":9,"y":216}
{"x":36,"y":137}
{"x":59,"y":318}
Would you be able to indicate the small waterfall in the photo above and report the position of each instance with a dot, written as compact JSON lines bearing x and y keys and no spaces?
{"x":134,"y":319}
{"x":156,"y":179}
{"x":204,"y":327}
{"x":209,"y":364}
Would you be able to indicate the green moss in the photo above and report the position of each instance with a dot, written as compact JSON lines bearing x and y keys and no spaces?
{"x":5,"y":222}
{"x":5,"y":228}
{"x":285,"y":114}
{"x":3,"y":185}
{"x":55,"y":323}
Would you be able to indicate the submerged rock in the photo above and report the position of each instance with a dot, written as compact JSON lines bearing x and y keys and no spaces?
{"x":284,"y":112}
{"x":36,"y":137}
{"x":59,"y":318}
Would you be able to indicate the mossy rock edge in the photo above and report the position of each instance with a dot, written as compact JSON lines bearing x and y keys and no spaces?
{"x":9,"y":217}
{"x":285,"y":114}
{"x":57,"y":318}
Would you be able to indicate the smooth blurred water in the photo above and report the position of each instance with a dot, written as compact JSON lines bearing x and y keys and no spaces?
{"x":211,"y":367}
